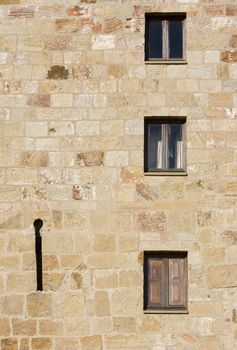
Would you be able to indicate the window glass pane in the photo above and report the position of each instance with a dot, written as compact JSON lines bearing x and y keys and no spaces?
{"x":175,"y":39}
{"x":154,"y":38}
{"x":175,"y":146}
{"x":155,"y":146}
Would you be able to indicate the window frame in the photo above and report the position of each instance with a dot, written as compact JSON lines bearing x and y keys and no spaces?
{"x":165,"y":17}
{"x":165,"y":256}
{"x":164,"y":121}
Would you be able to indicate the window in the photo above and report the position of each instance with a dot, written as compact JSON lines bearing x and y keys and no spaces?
{"x":165,"y":281}
{"x":164,"y":37}
{"x":164,"y":144}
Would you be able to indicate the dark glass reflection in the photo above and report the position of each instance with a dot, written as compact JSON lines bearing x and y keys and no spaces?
{"x":154,"y":147}
{"x":175,"y":145}
{"x":155,"y":45}
{"x":175,"y":39}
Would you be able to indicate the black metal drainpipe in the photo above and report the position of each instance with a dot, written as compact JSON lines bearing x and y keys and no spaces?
{"x":38,"y":223}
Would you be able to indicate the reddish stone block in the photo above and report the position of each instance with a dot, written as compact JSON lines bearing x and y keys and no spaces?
{"x":39,"y":100}
{"x":22,"y":11}
{"x":231,"y":10}
{"x":229,"y":57}
{"x":215,"y":10}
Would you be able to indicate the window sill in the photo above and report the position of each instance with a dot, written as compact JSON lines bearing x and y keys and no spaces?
{"x":165,"y":311}
{"x":166,"y":62}
{"x":165,"y":173}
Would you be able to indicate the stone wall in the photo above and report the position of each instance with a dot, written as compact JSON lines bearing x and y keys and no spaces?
{"x":74,"y":90}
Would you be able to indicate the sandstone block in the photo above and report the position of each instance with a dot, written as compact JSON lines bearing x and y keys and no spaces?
{"x":91,"y":342}
{"x":126,"y":301}
{"x":102,"y":306}
{"x":53,"y":280}
{"x":221,"y":276}
{"x":104,"y":243}
{"x":50,"y":327}
{"x":66,"y":343}
{"x":106,"y":280}
{"x":68,"y":304}
{"x":5,"y":329}
{"x":151,"y":221}
{"x":12,"y":305}
{"x":41,"y":344}
{"x":130,"y":278}
{"x":23,"y":327}
{"x":124,"y":324}
{"x":9,"y":344}
{"x":229,"y":56}
{"x":95,"y":158}
{"x":39,"y":304}
{"x":34,"y":159}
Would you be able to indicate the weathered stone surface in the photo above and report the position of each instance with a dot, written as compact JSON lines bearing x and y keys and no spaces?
{"x":34,"y":159}
{"x":95,"y":158}
{"x":151,"y":221}
{"x":229,"y":56}
{"x":58,"y":72}
{"x":22,"y":11}
{"x":39,"y":100}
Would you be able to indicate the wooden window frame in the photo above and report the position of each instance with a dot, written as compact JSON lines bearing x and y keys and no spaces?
{"x":165,"y":257}
{"x":165,"y":18}
{"x":164,"y":121}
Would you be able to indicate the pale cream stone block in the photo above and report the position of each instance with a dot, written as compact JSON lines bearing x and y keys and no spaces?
{"x":99,"y":100}
{"x":12,"y":305}
{"x":83,"y":100}
{"x":211,"y":57}
{"x":124,"y":324}
{"x":61,"y":159}
{"x":156,"y":99}
{"x":103,"y":42}
{"x":20,"y":176}
{"x":24,"y":282}
{"x":116,"y":158}
{"x":106,"y":261}
{"x":112,"y":128}
{"x":108,"y":86}
{"x":102,"y":307}
{"x":60,"y":243}
{"x":22,"y":72}
{"x":50,"y":327}
{"x":104,"y":243}
{"x":203,"y":326}
{"x":105,"y":280}
{"x":61,"y":100}
{"x":126,"y":301}
{"x":81,"y":326}
{"x":68,"y":304}
{"x":36,"y":129}
{"x":61,"y":128}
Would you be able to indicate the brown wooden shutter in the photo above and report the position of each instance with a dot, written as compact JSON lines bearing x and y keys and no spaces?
{"x":177,"y":282}
{"x":156,"y":283}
